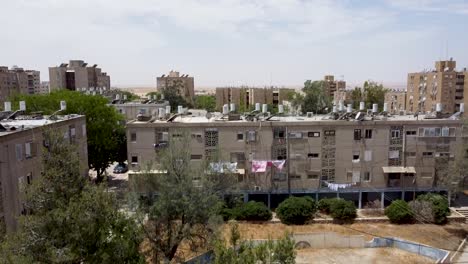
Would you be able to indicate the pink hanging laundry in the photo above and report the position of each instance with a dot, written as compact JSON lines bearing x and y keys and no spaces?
{"x":259,"y":165}
{"x":278,"y":163}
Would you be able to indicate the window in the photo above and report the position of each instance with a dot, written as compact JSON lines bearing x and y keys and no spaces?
{"x":426,"y":175}
{"x":368,"y":133}
{"x":29,"y":178}
{"x":176,"y":135}
{"x":251,"y":136}
{"x":27,"y":150}
{"x":427,"y":154}
{"x":393,"y":154}
{"x":19,"y":152}
{"x":368,"y":155}
{"x":443,"y":154}
{"x":133,"y":137}
{"x":313,"y":155}
{"x":134,"y":159}
{"x":196,"y":157}
{"x":356,"y":156}
{"x":295,"y":177}
{"x":142,"y":111}
{"x":395,"y":133}
{"x":410,"y":154}
{"x":329,"y":132}
{"x":238,"y":157}
{"x":280,"y":133}
{"x":312,"y":176}
{"x":240,"y":136}
{"x":357,"y":134}
{"x":367,"y":176}
{"x":313,"y":134}
{"x":411,"y":132}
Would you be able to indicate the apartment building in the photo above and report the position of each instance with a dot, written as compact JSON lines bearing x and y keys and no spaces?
{"x":247,"y":97}
{"x":17,"y":81}
{"x":22,"y":143}
{"x":44,"y":88}
{"x":396,"y":101}
{"x":141,"y":109}
{"x":183,"y":84}
{"x":356,"y":155}
{"x":443,"y":85}
{"x":77,"y":75}
{"x":331,"y":85}
{"x":342,"y":95}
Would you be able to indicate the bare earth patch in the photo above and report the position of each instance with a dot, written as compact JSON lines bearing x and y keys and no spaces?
{"x":361,"y":255}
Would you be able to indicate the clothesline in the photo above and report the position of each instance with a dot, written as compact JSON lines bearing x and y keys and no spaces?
{"x":336,"y":186}
{"x":261,"y":165}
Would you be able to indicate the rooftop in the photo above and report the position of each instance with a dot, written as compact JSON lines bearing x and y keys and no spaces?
{"x":23,"y":122}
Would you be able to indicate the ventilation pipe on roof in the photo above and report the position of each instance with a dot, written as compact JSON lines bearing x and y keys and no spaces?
{"x":438,"y":107}
{"x":375,"y":108}
{"x":350,"y":108}
{"x":168,"y":109}
{"x":257,"y":107}
{"x":385,"y":107}
{"x":225,"y":109}
{"x":180,"y":109}
{"x":334,"y":109}
{"x":264,"y":108}
{"x":22,"y":106}
{"x":162,"y":113}
{"x":340,"y":106}
{"x":232,"y":107}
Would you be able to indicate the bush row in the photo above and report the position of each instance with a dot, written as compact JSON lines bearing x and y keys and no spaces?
{"x":427,"y":208}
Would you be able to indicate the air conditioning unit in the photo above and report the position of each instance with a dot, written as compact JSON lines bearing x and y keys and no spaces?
{"x":257,"y":188}
{"x":295,"y":135}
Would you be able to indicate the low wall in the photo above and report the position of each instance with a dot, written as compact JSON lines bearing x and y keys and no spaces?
{"x":420,"y":249}
{"x":329,"y":240}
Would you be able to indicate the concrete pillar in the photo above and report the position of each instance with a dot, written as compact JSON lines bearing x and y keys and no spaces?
{"x":246,"y":197}
{"x":360,"y":200}
{"x":316,"y":196}
{"x":403,"y":195}
{"x":337,"y":195}
{"x":269,"y":200}
{"x":382,"y":198}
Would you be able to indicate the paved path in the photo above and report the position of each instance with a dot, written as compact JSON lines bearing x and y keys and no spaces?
{"x":463,"y":258}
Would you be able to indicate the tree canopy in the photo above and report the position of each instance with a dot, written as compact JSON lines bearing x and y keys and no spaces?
{"x":315,"y":99}
{"x":207,"y":102}
{"x":104,"y":125}
{"x":68,"y":220}
{"x":370,"y":93}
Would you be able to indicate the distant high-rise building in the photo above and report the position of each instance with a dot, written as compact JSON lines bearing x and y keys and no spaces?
{"x":331,"y":85}
{"x":17,"y":81}
{"x":44,"y":87}
{"x":396,"y":101}
{"x":444,"y":85}
{"x":34,"y":82}
{"x":77,"y":75}
{"x":183,"y":84}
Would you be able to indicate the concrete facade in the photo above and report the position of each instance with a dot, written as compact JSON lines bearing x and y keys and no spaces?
{"x":131,"y":109}
{"x":247,"y":97}
{"x":391,"y":154}
{"x":331,"y":85}
{"x":342,"y":95}
{"x":21,"y":151}
{"x":17,"y":81}
{"x":396,"y":101}
{"x":77,"y":75}
{"x":183,"y":84}
{"x":444,"y":85}
{"x":44,"y":88}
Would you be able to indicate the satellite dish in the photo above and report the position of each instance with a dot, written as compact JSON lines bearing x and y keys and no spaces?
{"x":208,"y":115}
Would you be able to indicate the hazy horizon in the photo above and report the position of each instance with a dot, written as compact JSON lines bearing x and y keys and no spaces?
{"x":237,"y":42}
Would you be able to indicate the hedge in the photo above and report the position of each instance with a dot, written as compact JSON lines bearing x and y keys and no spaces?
{"x":251,"y":211}
{"x":440,"y":208}
{"x":343,"y":210}
{"x":399,"y":212}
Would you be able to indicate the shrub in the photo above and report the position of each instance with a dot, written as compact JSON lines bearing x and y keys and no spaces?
{"x":399,"y":212}
{"x":422,"y":210}
{"x":440,"y":208}
{"x":296,"y":210}
{"x":343,"y":210}
{"x":324,"y":205}
{"x":252,"y":211}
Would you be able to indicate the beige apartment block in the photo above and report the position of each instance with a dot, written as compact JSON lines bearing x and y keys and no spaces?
{"x":443,"y":85}
{"x":396,"y":101}
{"x":78,"y":75}
{"x":44,"y":88}
{"x":183,"y":84}
{"x":17,"y":81}
{"x":21,"y":151}
{"x":373,"y":157}
{"x":131,"y":110}
{"x":247,"y":97}
{"x":344,"y":96}
{"x":331,"y":85}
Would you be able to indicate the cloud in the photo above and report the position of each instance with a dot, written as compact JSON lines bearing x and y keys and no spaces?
{"x":448,"y":6}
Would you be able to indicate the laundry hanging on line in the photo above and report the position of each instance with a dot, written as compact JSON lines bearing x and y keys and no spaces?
{"x":336,"y":186}
{"x":261,"y":165}
{"x":222,"y":167}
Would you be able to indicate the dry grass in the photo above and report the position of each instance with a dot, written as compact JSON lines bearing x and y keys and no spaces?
{"x":447,"y":237}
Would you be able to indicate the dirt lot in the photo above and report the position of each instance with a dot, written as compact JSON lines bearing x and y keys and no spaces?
{"x":446,"y":237}
{"x":364,"y":255}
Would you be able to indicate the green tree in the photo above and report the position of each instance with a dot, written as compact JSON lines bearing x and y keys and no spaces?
{"x":69,"y":220}
{"x":187,"y":203}
{"x":296,"y":210}
{"x":207,"y":102}
{"x":174,"y":98}
{"x":315,"y":99}
{"x":399,"y":212}
{"x":246,"y":252}
{"x":130,"y":96}
{"x":104,"y":125}
{"x":152,"y":94}
{"x":370,"y":93}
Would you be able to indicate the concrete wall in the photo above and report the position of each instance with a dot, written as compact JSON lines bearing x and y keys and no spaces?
{"x":330,"y":240}
{"x":420,"y":249}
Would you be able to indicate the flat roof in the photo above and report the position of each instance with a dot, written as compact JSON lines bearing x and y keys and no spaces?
{"x":22,"y":123}
{"x":216,"y":118}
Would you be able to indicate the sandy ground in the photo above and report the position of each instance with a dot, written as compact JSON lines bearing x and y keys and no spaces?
{"x":361,"y":256}
{"x":448,"y":236}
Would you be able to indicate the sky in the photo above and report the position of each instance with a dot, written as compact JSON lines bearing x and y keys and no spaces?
{"x":237,"y":42}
